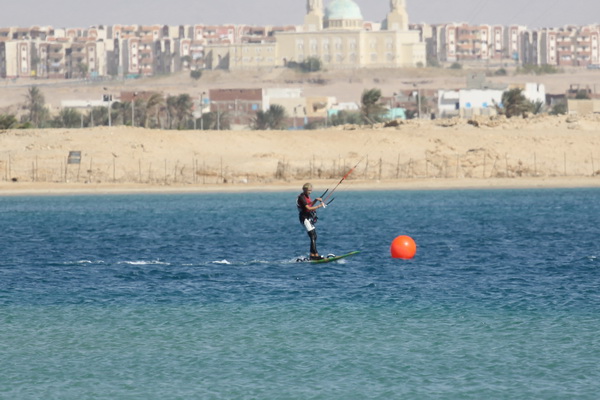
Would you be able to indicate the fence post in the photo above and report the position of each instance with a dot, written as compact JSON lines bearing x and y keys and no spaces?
{"x":484,"y":160}
{"x":457,"y":164}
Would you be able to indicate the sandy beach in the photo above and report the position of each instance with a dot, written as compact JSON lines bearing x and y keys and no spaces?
{"x":541,"y":151}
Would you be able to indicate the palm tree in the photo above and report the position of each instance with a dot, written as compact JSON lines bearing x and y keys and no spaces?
{"x":261,"y":121}
{"x":8,"y":121}
{"x":273,"y":118}
{"x":514,"y":103}
{"x":153,"y":106}
{"x":184,"y":106}
{"x":35,"y":103}
{"x":67,"y":118}
{"x":171,"y":109}
{"x":97,"y":116}
{"x":370,"y":109}
{"x":277,"y":116}
{"x":216,"y":121}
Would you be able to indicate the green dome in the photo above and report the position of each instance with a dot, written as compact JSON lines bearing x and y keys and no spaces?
{"x":343,"y":9}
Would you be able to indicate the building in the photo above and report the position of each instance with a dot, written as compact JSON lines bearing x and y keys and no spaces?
{"x":463,"y":42}
{"x":337,"y":35}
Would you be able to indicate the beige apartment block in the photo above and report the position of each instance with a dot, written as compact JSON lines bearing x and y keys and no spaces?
{"x":15,"y":59}
{"x":570,"y":46}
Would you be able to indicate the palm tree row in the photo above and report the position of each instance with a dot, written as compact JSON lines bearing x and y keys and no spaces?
{"x":176,"y":112}
{"x":154,"y":112}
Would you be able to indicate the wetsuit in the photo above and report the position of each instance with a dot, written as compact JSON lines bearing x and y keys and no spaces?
{"x":308,"y":219}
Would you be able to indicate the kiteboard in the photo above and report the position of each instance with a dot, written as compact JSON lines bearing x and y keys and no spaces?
{"x":329,"y":258}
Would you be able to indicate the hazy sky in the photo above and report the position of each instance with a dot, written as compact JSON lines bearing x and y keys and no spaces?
{"x":78,"y":13}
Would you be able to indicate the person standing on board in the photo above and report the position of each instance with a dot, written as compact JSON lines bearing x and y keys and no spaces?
{"x":308,"y":217}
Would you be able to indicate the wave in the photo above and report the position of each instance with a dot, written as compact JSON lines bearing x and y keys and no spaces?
{"x":144,"y":262}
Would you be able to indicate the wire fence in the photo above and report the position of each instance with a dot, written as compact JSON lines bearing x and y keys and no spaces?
{"x":475,"y":164}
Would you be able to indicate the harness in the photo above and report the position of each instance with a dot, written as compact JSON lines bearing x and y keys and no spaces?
{"x":312,"y":215}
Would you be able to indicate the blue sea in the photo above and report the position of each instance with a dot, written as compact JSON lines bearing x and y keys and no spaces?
{"x":199,"y":296}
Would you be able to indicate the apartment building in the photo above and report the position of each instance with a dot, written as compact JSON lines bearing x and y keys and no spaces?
{"x":336,"y":34}
{"x":464,"y":42}
{"x":513,"y":41}
{"x":570,"y":46}
{"x":15,"y":59}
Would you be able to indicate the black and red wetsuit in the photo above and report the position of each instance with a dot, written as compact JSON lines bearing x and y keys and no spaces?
{"x":303,"y":213}
{"x":308,"y":219}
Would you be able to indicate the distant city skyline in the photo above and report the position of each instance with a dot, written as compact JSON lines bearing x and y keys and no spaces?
{"x":75,"y":13}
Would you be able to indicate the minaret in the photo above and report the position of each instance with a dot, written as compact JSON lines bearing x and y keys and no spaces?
{"x":313,"y":21}
{"x":397,"y":19}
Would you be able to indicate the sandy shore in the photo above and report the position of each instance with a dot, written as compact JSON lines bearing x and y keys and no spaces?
{"x":58,"y":189}
{"x":544,"y":151}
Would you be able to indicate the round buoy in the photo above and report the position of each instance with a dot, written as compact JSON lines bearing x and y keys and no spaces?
{"x":403,"y":247}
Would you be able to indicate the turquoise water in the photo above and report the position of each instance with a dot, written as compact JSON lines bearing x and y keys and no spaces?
{"x":199,"y":296}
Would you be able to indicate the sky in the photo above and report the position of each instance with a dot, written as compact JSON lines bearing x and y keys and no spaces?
{"x":78,"y":13}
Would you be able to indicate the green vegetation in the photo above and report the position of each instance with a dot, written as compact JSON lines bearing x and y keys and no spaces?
{"x":538,"y":107}
{"x":515,"y":103}
{"x":274,"y":118}
{"x":67,"y":118}
{"x":8,"y":121}
{"x":371,"y":109}
{"x":196,"y":74}
{"x":311,"y":64}
{"x":456,"y":65}
{"x":35,"y":104}
{"x":214,"y":121}
{"x":559,"y":109}
{"x":346,"y":117}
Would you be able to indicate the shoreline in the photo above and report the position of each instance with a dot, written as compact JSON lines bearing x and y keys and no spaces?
{"x":57,"y":189}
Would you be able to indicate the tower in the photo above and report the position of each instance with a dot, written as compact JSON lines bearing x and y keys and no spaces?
{"x":397,"y":19}
{"x":313,"y":21}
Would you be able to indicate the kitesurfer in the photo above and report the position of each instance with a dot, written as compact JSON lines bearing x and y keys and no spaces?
{"x":307,"y":210}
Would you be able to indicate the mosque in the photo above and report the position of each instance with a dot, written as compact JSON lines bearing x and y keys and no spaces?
{"x":336,"y":34}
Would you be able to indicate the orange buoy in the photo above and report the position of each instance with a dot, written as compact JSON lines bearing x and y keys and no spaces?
{"x":403,"y":247}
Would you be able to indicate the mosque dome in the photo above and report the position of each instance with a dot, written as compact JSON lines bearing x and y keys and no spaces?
{"x":343,"y":10}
